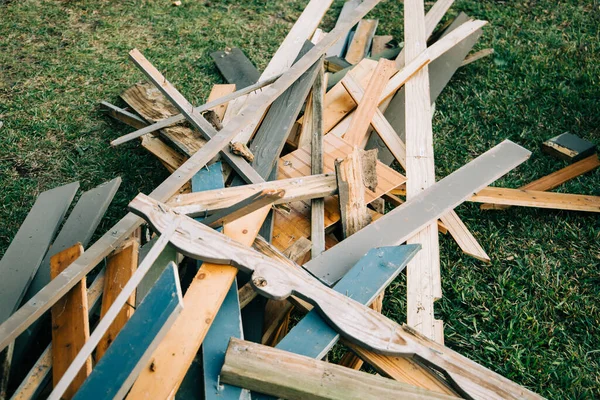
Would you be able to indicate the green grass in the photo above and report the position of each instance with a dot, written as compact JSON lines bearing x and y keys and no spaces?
{"x":531,"y":315}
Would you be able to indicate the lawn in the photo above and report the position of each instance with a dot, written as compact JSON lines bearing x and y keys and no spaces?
{"x":532,"y":314}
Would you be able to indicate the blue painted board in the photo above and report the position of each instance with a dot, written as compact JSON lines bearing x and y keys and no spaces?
{"x":116,"y":371}
{"x":312,"y":336}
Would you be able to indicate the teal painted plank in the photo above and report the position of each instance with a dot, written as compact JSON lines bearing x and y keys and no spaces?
{"x":78,"y":228}
{"x":116,"y":371}
{"x":26,"y":251}
{"x":312,"y":336}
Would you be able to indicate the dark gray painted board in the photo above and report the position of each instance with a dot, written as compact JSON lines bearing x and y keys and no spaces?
{"x":27,"y":249}
{"x":236,"y":67}
{"x":78,"y":228}
{"x":440,"y":72}
{"x":403,"y":222}
{"x":568,"y":147}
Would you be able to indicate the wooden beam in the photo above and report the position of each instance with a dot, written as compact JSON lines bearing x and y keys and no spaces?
{"x":119,"y":269}
{"x":70,"y":325}
{"x":361,"y":41}
{"x":538,"y":199}
{"x":114,"y":374}
{"x":40,"y":303}
{"x":555,"y":179}
{"x":251,"y":366}
{"x":250,"y":204}
{"x":83,"y":355}
{"x":401,"y":223}
{"x":317,"y":209}
{"x":367,"y":107}
{"x":295,"y":189}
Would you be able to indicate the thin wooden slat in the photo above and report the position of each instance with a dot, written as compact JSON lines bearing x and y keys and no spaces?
{"x":478,"y":55}
{"x":285,"y":55}
{"x":20,"y":320}
{"x":70,"y":325}
{"x":370,"y":101}
{"x":235,"y":67}
{"x":396,"y":226}
{"x":244,"y":207}
{"x":538,"y":199}
{"x":296,"y":377}
{"x":61,"y":386}
{"x":339,"y":47}
{"x":361,"y":41}
{"x":217,"y":92}
{"x":114,"y":374}
{"x":39,"y":375}
{"x":317,"y":210}
{"x":555,"y":179}
{"x":119,"y":269}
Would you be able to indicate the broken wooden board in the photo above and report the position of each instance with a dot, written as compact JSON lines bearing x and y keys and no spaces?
{"x":401,"y":223}
{"x":131,"y":349}
{"x":555,"y":179}
{"x":538,"y":199}
{"x":119,"y":269}
{"x":70,"y":325}
{"x":297,"y":164}
{"x":246,"y":206}
{"x":200,"y":204}
{"x":235,"y":67}
{"x":361,"y":41}
{"x":568,"y":147}
{"x":297,"y":377}
{"x":478,"y":55}
{"x":21,"y":319}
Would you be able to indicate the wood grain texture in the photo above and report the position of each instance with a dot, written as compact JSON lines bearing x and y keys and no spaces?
{"x":287,"y":52}
{"x":555,"y":179}
{"x":70,"y":325}
{"x":291,"y":376}
{"x":317,"y":209}
{"x":248,"y":205}
{"x":218,"y":92}
{"x":114,"y":374}
{"x":361,"y":41}
{"x":235,"y":67}
{"x":20,"y":320}
{"x":396,"y":226}
{"x":380,"y":43}
{"x":119,"y":269}
{"x":538,"y":199}
{"x":367,"y":107}
{"x":295,"y":189}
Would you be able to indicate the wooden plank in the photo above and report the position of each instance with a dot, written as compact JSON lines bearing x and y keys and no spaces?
{"x":20,"y":320}
{"x":78,"y":228}
{"x":244,"y":207}
{"x":122,"y":115}
{"x":70,"y":325}
{"x":555,"y":179}
{"x":478,"y":55}
{"x":423,"y":285}
{"x":86,"y":350}
{"x":285,"y":55}
{"x":114,"y":374}
{"x":169,"y":254}
{"x":119,"y":269}
{"x":235,"y":67}
{"x":339,"y":47}
{"x":251,"y":365}
{"x":38,"y":376}
{"x":380,"y":43}
{"x":168,"y":157}
{"x":401,"y":223}
{"x":317,"y":209}
{"x":217,"y":103}
{"x":296,"y":189}
{"x":361,"y":41}
{"x":370,"y":101}
{"x":538,"y":199}
{"x":568,"y":147}
{"x":277,"y":124}
{"x":217,"y":92}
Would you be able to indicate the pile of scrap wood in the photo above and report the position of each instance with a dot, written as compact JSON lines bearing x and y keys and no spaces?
{"x":281,"y":197}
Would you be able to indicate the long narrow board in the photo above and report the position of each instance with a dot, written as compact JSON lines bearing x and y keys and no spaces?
{"x":298,"y":377}
{"x":21,"y":319}
{"x":119,"y":269}
{"x":168,"y":255}
{"x":397,"y":226}
{"x":70,"y":325}
{"x":361,"y":41}
{"x":115,"y":372}
{"x":78,"y":228}
{"x":235,"y":67}
{"x":538,"y":199}
{"x":339,"y":47}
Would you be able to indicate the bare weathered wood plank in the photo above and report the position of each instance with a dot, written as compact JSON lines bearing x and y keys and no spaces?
{"x":361,"y":41}
{"x":250,"y":204}
{"x":70,"y":325}
{"x":317,"y":210}
{"x":538,"y":199}
{"x":293,"y":376}
{"x":379,"y":43}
